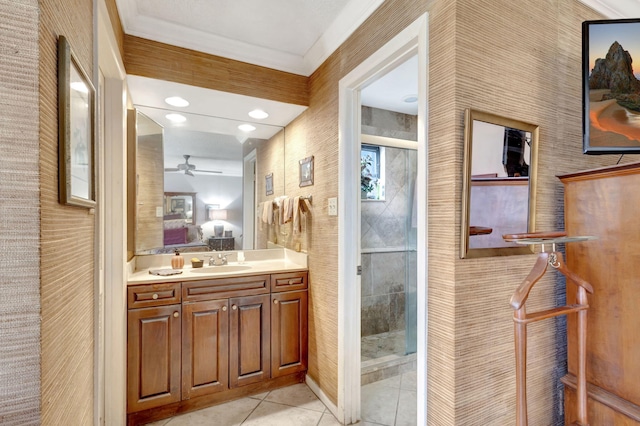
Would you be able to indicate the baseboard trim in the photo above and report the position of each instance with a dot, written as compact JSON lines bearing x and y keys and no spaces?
{"x":323,"y":397}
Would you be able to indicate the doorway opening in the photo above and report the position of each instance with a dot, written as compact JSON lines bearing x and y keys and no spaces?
{"x":413,"y":41}
{"x":389,"y":279}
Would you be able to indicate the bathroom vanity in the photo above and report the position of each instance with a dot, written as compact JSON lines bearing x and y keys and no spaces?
{"x":211,"y":335}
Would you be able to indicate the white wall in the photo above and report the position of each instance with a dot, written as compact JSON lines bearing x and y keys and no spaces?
{"x":225,"y":191}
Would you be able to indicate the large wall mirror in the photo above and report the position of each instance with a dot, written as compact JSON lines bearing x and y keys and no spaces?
{"x":208,"y":175}
{"x":499,"y":184}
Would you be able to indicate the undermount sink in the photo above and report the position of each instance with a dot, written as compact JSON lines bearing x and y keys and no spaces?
{"x":221,"y":269}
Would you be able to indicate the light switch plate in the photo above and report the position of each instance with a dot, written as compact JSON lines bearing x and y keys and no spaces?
{"x":159,"y":212}
{"x":333,"y":206}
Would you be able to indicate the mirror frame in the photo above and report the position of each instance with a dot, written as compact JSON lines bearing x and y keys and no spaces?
{"x":182,"y":194}
{"x":471,"y":115}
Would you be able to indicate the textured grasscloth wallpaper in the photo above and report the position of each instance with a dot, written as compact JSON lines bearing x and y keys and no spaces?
{"x":19,"y":215}
{"x":519,"y":59}
{"x":516,"y":58}
{"x":66,"y":237}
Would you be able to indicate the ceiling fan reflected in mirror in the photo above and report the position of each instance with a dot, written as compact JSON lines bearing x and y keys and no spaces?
{"x":189,"y":168}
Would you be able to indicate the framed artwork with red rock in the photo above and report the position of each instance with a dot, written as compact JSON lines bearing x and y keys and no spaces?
{"x":611,"y":86}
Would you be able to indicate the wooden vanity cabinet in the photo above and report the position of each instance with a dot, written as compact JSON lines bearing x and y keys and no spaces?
{"x":288,"y":332}
{"x":225,"y":338}
{"x":153,"y":357}
{"x":205,"y":341}
{"x":249,"y":332}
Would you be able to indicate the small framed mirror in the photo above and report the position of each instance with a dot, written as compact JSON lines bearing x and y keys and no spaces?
{"x":180,"y":205}
{"x":499,"y":184}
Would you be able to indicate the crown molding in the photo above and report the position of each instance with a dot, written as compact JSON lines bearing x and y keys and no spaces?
{"x":349,"y":19}
{"x":615,"y":9}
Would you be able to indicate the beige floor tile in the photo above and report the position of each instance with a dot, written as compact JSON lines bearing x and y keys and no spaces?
{"x":409,"y":381}
{"x":272,"y":414}
{"x":407,"y":414}
{"x":260,"y":396}
{"x":296,"y":396}
{"x":379,"y":402}
{"x":391,"y":382}
{"x":231,"y":413}
{"x":328,"y":420}
{"x":158,"y":423}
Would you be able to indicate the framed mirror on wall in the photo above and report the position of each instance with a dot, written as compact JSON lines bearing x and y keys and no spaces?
{"x":499,"y":184}
{"x":208,"y":149}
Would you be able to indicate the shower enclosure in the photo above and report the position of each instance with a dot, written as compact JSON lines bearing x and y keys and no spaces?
{"x":389,"y":270}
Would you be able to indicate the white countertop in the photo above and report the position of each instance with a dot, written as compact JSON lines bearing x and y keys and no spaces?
{"x":256,"y":262}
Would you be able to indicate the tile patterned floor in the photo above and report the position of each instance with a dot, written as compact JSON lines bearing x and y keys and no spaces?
{"x":389,"y":402}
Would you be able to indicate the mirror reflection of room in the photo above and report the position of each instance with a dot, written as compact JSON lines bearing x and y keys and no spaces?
{"x":213,"y":173}
{"x":499,"y":184}
{"x":499,"y":201}
{"x":214,"y":153}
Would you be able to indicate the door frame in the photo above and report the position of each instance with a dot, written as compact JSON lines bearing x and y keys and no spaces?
{"x":112,"y":346}
{"x":249,"y":196}
{"x":412,"y":40}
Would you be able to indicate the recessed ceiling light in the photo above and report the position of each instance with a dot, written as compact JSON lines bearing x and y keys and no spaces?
{"x":176,"y":118}
{"x":258,"y":114}
{"x":410,"y":99}
{"x":177,"y":101}
{"x":246,"y":127}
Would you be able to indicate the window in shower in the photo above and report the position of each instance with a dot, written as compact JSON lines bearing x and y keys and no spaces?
{"x":372,"y":172}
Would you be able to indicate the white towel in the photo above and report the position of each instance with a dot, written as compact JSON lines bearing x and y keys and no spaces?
{"x":296,"y":215}
{"x":267,"y":212}
{"x":287,"y":213}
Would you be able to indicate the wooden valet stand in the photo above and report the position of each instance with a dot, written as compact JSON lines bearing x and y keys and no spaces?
{"x":521,"y":318}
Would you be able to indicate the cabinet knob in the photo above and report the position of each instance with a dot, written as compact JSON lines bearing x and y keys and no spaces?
{"x":292,"y":282}
{"x":176,"y":314}
{"x":155,"y":296}
{"x":275,"y":301}
{"x":234,"y":307}
{"x":224,"y":308}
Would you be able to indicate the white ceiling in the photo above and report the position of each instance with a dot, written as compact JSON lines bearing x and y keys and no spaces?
{"x":289,"y":35}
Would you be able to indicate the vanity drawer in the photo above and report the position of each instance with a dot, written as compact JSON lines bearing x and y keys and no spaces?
{"x":144,"y":296}
{"x":225,"y":287}
{"x":289,"y":281}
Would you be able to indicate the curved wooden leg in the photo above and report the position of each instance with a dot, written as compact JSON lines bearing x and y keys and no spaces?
{"x":520,"y":334}
{"x":581,"y":390}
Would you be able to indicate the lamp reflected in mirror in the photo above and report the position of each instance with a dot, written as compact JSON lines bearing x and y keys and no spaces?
{"x":217,"y":215}
{"x":500,"y":161}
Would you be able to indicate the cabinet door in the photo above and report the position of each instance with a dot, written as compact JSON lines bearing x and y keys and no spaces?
{"x":153,"y":364}
{"x":288,"y":332}
{"x":249,"y":339}
{"x":205,"y":348}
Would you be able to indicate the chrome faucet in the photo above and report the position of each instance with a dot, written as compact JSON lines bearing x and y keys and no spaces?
{"x":219,"y":260}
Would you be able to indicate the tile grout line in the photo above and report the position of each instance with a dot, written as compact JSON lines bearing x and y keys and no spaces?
{"x":254,"y":408}
{"x":395,"y":416}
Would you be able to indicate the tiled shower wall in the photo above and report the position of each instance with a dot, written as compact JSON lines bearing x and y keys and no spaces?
{"x":384,"y":285}
{"x":387,"y":232}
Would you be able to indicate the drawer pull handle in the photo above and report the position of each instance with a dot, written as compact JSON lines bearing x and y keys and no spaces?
{"x":224,"y":308}
{"x":292,"y":282}
{"x":155,"y":296}
{"x":176,"y":314}
{"x":275,"y":301}
{"x":234,"y":307}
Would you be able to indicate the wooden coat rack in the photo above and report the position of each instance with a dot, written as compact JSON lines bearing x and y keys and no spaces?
{"x":521,"y":318}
